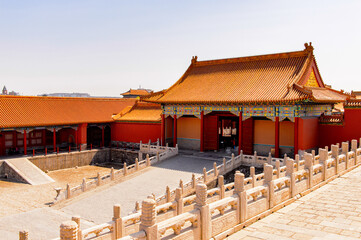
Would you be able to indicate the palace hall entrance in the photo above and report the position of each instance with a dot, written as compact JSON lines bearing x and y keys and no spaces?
{"x":228,"y":132}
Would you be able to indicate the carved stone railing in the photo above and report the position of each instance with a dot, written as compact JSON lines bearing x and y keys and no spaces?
{"x":70,"y":192}
{"x":218,"y":212}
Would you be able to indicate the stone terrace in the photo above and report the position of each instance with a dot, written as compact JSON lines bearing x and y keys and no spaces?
{"x":330,"y":212}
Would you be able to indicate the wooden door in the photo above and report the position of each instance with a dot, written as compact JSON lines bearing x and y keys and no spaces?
{"x":210,"y":132}
{"x":247,"y":136}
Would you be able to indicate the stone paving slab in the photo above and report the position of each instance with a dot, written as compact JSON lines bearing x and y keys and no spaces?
{"x":330,"y":212}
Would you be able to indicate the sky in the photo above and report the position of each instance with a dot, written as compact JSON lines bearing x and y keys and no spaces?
{"x":106,"y":47}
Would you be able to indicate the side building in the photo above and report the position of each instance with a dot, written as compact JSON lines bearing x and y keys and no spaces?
{"x":39,"y":123}
{"x":268,"y":103}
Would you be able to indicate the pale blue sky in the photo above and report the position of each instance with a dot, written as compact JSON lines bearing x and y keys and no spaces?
{"x":105,"y":47}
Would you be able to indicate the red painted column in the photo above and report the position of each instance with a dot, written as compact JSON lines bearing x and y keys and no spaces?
{"x":162,"y":131}
{"x":277,"y":137}
{"x":54,"y":139}
{"x":102,"y":136}
{"x":240,"y":132}
{"x":296,"y":136}
{"x":175,"y":130}
{"x":202,"y":132}
{"x":25,"y":145}
{"x":76,"y":138}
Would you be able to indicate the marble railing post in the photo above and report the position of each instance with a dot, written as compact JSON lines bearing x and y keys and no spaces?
{"x":297,"y":159}
{"x":309,"y":166}
{"x":136,"y":164}
{"x":118,"y":231}
{"x":147,"y":160}
{"x":24,"y":235}
{"x":334,"y":153}
{"x":68,"y":191}
{"x":354,"y":149}
{"x":222,"y":192}
{"x":278,"y":166}
{"x":112,"y":176}
{"x":201,"y":204}
{"x":345,"y":149}
{"x":69,"y":231}
{"x":240,"y":191}
{"x":205,"y":175}
{"x":125,"y":169}
{"x":269,"y":158}
{"x":215,"y":169}
{"x":167,"y":194}
{"x":193,"y":181}
{"x":233,"y":161}
{"x":148,"y":219}
{"x":254,"y":158}
{"x":179,"y":200}
{"x":140,"y":156}
{"x":83,"y":185}
{"x":268,"y":179}
{"x":181,"y":186}
{"x":290,"y":172}
{"x":323,"y":158}
{"x":98,"y":179}
{"x":77,"y":220}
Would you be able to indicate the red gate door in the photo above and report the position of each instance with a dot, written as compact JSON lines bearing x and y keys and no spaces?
{"x":210,"y":132}
{"x":247,"y":136}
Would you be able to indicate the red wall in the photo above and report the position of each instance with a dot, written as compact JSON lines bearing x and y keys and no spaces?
{"x":308,"y":133}
{"x":136,"y":132}
{"x":351,"y":129}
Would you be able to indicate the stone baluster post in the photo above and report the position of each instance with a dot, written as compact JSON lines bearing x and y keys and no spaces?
{"x":147,"y":160}
{"x":68,"y":191}
{"x":290,"y":172}
{"x":112,"y":175}
{"x":157,"y":144}
{"x":136,"y":164}
{"x":241,"y":158}
{"x":354,"y":149}
{"x":278,"y":166}
{"x":284,"y":158}
{"x":137,"y":206}
{"x":323,"y":160}
{"x":252,"y":174}
{"x":24,"y":235}
{"x":166,"y":147}
{"x":205,"y":175}
{"x":77,"y":220}
{"x":181,"y":185}
{"x":83,"y":185}
{"x":119,"y":228}
{"x":269,"y":158}
{"x":313,"y":152}
{"x":125,"y":169}
{"x":99,"y":179}
{"x":179,"y":200}
{"x":140,"y":146}
{"x":148,"y":219}
{"x":69,"y":231}
{"x":193,"y":181}
{"x":326,"y":147}
{"x":309,"y":167}
{"x":201,"y":204}
{"x":224,"y":166}
{"x":149,"y":145}
{"x":335,"y":153}
{"x":222,"y":190}
{"x":254,"y":158}
{"x":215,"y":169}
{"x":240,"y":190}
{"x":167,"y":194}
{"x":345,"y":148}
{"x":268,"y":179}
{"x":297,"y":159}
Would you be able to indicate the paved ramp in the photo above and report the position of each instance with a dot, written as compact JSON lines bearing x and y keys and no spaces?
{"x":23,"y":169}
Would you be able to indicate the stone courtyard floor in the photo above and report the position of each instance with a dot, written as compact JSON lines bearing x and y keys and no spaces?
{"x":24,"y":207}
{"x":330,"y":212}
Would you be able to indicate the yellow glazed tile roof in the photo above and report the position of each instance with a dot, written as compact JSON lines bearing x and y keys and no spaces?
{"x":141,"y":112}
{"x":23,"y":111}
{"x":267,"y":78}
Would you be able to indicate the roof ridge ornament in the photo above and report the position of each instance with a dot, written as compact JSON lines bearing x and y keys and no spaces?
{"x":194,"y":59}
{"x":308,"y":47}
